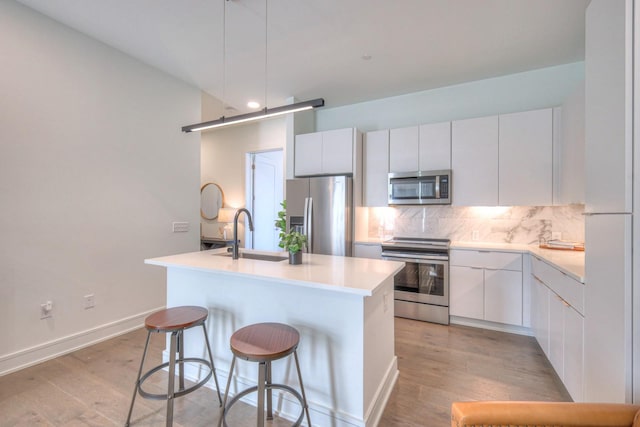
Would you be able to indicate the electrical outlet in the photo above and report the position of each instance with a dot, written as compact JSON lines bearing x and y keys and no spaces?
{"x":89,"y":301}
{"x":46,"y":310}
{"x":475,"y":235}
{"x":556,"y":235}
{"x":180,"y":227}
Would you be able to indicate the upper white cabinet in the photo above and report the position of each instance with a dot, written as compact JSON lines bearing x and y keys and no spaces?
{"x":474,"y":161}
{"x":325,"y":153}
{"x":308,"y":154}
{"x":526,"y":158}
{"x":608,"y":106}
{"x":403,"y":149}
{"x":569,"y":172}
{"x":420,"y":148}
{"x":434,"y":150}
{"x":376,"y":168}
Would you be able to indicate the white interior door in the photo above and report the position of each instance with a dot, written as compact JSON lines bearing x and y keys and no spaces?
{"x":266,"y":178}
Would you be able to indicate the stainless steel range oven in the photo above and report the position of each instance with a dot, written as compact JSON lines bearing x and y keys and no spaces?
{"x":421,"y":288}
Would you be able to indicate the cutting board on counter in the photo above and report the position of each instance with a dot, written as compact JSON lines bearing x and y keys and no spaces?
{"x":562,"y":248}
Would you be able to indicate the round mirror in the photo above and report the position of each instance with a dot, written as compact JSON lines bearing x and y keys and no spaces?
{"x":211,"y":199}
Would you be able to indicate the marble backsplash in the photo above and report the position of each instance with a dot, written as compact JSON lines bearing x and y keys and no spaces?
{"x":515,"y":224}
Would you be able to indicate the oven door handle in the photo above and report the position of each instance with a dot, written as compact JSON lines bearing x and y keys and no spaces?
{"x":411,"y":258}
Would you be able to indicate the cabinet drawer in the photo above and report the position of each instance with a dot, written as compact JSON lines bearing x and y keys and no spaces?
{"x":487,"y":259}
{"x":564,"y":286}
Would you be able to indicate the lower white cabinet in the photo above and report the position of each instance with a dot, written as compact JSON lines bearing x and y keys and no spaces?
{"x":366,"y":250}
{"x":558,"y":325}
{"x":540,"y":313}
{"x":503,"y":296}
{"x":466,"y":292}
{"x":486,"y":285}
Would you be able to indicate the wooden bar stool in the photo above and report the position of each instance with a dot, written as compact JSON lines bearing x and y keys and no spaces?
{"x":175,"y":321}
{"x":264,"y":343}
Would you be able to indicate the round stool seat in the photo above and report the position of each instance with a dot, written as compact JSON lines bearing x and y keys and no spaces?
{"x":264,"y":342}
{"x":174,"y":321}
{"x":176,"y":318}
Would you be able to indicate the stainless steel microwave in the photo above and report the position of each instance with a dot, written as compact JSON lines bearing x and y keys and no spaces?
{"x":420,"y":188}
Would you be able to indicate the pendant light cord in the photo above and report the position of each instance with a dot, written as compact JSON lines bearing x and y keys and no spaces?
{"x":266,"y":49}
{"x":224,"y":55}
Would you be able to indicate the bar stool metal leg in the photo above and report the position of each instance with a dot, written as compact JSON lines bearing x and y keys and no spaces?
{"x":135,"y":388}
{"x":261,"y":382}
{"x":213,"y":367}
{"x":172,"y":373}
{"x":269,"y":394}
{"x":180,"y":344}
{"x":226,"y":391}
{"x":304,"y":396}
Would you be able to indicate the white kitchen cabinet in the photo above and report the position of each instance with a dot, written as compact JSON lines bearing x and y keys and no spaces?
{"x":403,"y":149}
{"x":503,"y":296}
{"x":308,"y":154}
{"x":556,"y":334}
{"x":337,"y":151}
{"x":474,"y":161}
{"x":608,"y":106}
{"x":366,"y":250}
{"x":608,"y":275}
{"x":573,"y":367}
{"x":420,"y":148}
{"x":526,"y":158}
{"x":540,"y":313}
{"x":486,"y":285}
{"x":558,"y":326}
{"x":569,"y":171}
{"x":376,"y":168}
{"x":466,"y":292}
{"x":325,"y":153}
{"x":434,"y":148}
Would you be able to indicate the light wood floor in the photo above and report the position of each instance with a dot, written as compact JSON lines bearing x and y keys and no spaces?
{"x":438,"y":365}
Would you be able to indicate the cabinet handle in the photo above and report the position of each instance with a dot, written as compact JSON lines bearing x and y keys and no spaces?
{"x":476,"y":268}
{"x":536,"y":278}
{"x":484,"y":252}
{"x":566,"y":304}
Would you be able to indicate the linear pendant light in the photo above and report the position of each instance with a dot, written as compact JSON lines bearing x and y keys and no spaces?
{"x":258,"y":115}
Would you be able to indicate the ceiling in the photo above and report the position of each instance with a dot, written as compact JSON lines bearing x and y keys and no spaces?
{"x":314,"y":48}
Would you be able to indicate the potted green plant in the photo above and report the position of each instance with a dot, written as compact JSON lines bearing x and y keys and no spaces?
{"x":291,"y":241}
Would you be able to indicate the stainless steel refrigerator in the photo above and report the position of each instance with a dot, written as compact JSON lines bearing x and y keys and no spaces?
{"x":322,"y":208}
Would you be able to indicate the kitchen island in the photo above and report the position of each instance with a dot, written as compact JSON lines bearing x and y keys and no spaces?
{"x":342,"y":307}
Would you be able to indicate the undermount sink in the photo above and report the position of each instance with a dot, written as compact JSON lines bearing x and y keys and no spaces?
{"x":259,"y":257}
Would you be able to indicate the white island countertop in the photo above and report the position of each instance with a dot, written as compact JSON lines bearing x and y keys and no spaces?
{"x":360,"y":276}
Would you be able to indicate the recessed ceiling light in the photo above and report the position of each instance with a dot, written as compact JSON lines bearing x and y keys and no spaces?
{"x":253,"y":104}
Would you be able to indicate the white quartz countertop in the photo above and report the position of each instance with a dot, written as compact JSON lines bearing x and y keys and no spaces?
{"x":569,"y":262}
{"x":360,"y":276}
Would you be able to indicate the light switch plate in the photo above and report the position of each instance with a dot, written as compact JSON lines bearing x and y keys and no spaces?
{"x":180,"y":227}
{"x":556,"y":235}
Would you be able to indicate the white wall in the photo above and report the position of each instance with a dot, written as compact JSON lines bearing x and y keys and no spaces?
{"x":223,"y":158}
{"x":529,"y":90}
{"x":93,"y":170}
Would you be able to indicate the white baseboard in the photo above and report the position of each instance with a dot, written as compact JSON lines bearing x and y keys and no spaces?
{"x":42,"y":352}
{"x":287,"y":407}
{"x":372,"y":417}
{"x":483,"y":324}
